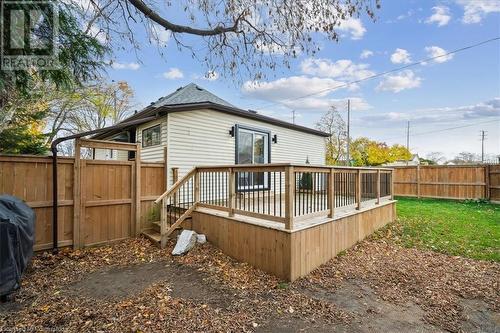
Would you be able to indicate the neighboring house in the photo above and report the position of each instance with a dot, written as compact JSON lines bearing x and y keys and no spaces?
{"x":198,"y":128}
{"x":414,"y":160}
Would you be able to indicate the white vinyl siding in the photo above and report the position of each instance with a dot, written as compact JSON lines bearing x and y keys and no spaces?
{"x":108,"y":154}
{"x":202,"y":137}
{"x":153,"y":153}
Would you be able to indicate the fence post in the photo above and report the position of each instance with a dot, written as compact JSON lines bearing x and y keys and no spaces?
{"x":289,"y":196}
{"x":138,"y":189}
{"x":77,"y":204}
{"x":378,"y":186}
{"x":231,"y":192}
{"x":358,"y":189}
{"x":392,"y":184}
{"x":165,"y":166}
{"x":418,"y":181}
{"x":331,"y":192}
{"x":487,"y":190}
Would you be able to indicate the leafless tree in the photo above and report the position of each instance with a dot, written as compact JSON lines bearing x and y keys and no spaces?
{"x":436,"y":157}
{"x":230,"y":35}
{"x":332,"y":123}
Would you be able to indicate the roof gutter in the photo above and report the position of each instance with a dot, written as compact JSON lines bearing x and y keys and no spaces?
{"x":53,"y":148}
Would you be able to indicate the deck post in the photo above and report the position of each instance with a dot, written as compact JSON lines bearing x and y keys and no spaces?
{"x":331,"y":192}
{"x":196,"y":195}
{"x":378,"y":186}
{"x":289,"y":196}
{"x":231,"y":193}
{"x":358,"y":189}
{"x":163,"y":224}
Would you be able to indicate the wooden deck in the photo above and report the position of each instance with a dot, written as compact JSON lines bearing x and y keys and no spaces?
{"x":284,"y":219}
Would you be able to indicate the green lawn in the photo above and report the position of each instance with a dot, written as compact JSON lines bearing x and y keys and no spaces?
{"x":469,"y":229}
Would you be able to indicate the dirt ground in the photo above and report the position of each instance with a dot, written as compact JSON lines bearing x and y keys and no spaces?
{"x":132,"y":286}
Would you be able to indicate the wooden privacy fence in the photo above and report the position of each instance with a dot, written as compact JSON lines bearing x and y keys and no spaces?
{"x":99,"y":201}
{"x":448,"y":181}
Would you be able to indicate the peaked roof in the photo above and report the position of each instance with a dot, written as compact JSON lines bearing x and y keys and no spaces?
{"x":193,"y":97}
{"x":191,"y":93}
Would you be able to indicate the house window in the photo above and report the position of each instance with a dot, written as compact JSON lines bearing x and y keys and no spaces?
{"x":252,"y":147}
{"x":151,"y":136}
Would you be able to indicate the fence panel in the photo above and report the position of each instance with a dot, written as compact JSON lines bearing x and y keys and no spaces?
{"x":447,"y":182}
{"x":30,"y":178}
{"x":494,"y":182}
{"x":106,"y":196}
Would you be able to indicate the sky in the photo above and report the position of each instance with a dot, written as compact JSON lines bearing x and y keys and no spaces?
{"x":459,"y":91}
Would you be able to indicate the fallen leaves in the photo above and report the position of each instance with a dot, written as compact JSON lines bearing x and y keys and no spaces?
{"x":242,"y":298}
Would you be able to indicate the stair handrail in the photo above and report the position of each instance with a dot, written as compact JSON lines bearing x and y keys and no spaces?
{"x":176,"y":186}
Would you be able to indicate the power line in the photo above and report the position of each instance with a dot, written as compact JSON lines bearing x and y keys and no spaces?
{"x":398,"y":69}
{"x":445,"y":129}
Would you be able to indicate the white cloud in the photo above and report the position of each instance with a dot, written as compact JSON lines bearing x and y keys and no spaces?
{"x":285,"y":90}
{"x":278,"y":49}
{"x":476,"y":10}
{"x":400,"y":56}
{"x":289,"y":87}
{"x":124,"y":65}
{"x":342,"y":69}
{"x":173,"y":73}
{"x":159,"y":35}
{"x":436,"y":51}
{"x":399,"y":82}
{"x":365,"y":54}
{"x":353,"y":26}
{"x":441,"y":16}
{"x":97,"y":33}
{"x":487,"y":109}
{"x":211,"y":76}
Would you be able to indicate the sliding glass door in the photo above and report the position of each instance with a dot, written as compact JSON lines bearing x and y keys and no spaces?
{"x":252,"y":148}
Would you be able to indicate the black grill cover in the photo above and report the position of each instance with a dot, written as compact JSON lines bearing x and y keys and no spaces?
{"x":17,"y":235}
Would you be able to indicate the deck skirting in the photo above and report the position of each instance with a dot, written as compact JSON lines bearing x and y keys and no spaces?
{"x":290,"y":254}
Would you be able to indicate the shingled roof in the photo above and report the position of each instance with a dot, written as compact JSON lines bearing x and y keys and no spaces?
{"x":193,"y":97}
{"x":190,"y":94}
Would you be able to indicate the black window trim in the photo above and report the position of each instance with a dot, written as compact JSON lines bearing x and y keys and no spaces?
{"x":142,"y":136}
{"x":237,"y":128}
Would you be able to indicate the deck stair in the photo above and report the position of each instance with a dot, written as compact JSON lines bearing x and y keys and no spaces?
{"x":176,"y":205}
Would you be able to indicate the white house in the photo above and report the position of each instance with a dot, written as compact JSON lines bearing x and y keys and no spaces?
{"x":197,"y":128}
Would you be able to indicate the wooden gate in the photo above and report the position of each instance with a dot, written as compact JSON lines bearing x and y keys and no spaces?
{"x":106,"y":196}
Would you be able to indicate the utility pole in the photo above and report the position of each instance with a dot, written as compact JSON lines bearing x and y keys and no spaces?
{"x":483,"y":137}
{"x":348,"y":131}
{"x":293,"y":116}
{"x":407,"y":138}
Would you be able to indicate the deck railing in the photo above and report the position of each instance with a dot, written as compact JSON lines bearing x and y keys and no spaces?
{"x":283,"y":193}
{"x":287,"y":193}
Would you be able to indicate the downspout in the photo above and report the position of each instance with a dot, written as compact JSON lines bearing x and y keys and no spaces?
{"x":53,"y":148}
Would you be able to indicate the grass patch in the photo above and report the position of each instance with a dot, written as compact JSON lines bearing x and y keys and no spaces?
{"x":464,"y":228}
